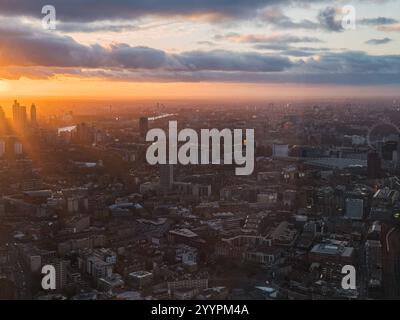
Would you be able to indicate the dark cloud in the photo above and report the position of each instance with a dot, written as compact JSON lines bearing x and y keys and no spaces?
{"x":378,"y":21}
{"x":298,"y":53}
{"x":231,"y":61}
{"x":353,"y":62}
{"x":93,"y":10}
{"x":37,"y":53}
{"x":18,"y":46}
{"x":276,"y":17}
{"x":329,"y":19}
{"x":292,"y":51}
{"x":21,"y":45}
{"x":266,"y":38}
{"x":378,"y":41}
{"x":275,"y":42}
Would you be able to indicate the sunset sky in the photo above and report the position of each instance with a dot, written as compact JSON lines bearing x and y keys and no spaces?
{"x":129,"y":49}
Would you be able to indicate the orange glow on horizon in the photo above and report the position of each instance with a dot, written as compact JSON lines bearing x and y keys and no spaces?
{"x":76,"y":88}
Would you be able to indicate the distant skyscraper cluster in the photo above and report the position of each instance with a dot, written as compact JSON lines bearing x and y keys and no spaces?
{"x":20,"y":118}
{"x":10,"y":144}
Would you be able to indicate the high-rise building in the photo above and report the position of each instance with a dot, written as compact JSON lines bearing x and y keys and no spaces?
{"x":33,"y":114}
{"x":61,"y":267}
{"x":2,"y":114}
{"x":2,"y":148}
{"x":84,"y":134}
{"x":166,"y":177}
{"x":19,"y":115}
{"x":2,"y":121}
{"x":355,"y":209}
{"x":373,"y":255}
{"x":18,"y":149}
{"x":374,"y":165}
{"x":143,"y":127}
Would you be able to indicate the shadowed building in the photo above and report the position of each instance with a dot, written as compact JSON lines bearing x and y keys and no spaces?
{"x":166,"y":177}
{"x":374,"y":165}
{"x":33,"y":115}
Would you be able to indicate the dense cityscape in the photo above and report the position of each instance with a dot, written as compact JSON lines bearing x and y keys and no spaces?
{"x":77,"y":193}
{"x":194,"y":158}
